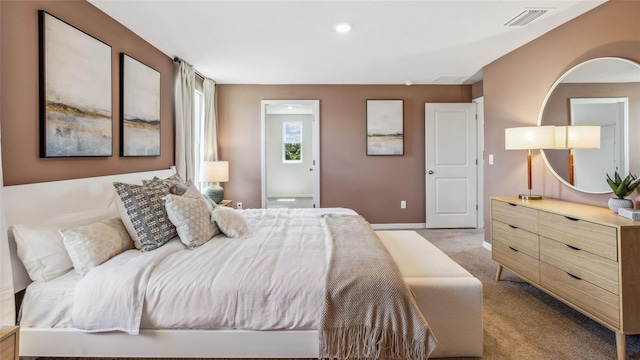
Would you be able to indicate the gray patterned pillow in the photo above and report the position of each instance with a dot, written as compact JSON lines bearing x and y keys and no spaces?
{"x":192,"y":218}
{"x":143,"y":214}
{"x":91,"y":245}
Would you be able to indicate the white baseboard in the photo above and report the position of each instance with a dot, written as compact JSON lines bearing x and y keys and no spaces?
{"x":486,"y":245}
{"x":403,"y":226}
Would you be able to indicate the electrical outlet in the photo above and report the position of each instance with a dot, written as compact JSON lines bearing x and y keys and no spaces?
{"x":238,"y":205}
{"x":403,"y":204}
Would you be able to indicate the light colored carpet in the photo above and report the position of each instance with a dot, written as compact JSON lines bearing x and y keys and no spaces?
{"x":520,"y":321}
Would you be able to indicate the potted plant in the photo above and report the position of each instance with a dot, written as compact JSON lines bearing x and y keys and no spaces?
{"x":622,"y":187}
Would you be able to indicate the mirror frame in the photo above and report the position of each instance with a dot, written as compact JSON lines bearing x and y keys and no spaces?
{"x":544,"y":105}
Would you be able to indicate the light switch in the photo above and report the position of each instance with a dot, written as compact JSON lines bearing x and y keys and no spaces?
{"x":490,"y":159}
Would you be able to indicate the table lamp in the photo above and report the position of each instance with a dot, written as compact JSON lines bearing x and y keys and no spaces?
{"x":529,"y":138}
{"x":214,"y":171}
{"x":577,"y":137}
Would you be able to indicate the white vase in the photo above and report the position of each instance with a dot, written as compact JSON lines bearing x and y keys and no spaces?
{"x":615,"y":204}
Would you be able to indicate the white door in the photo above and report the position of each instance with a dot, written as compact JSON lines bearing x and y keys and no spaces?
{"x":451,"y":165}
{"x":290,"y":147}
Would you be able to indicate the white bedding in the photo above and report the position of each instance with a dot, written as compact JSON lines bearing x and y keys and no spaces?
{"x":276,"y":272}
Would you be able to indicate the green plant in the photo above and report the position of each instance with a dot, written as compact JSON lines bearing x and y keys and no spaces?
{"x":623,"y":187}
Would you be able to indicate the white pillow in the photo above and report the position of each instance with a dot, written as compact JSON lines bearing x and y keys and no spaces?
{"x":91,"y":245}
{"x":230,"y":222}
{"x":192,"y":219}
{"x":40,"y":246}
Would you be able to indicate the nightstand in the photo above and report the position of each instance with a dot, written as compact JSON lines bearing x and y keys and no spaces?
{"x":9,"y":341}
{"x":226,"y":203}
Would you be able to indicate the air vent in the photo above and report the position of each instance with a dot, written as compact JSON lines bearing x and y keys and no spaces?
{"x":525,"y":17}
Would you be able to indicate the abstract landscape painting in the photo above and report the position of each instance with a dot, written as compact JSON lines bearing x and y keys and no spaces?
{"x":75,"y":91}
{"x":385,"y":131}
{"x":140,"y":104}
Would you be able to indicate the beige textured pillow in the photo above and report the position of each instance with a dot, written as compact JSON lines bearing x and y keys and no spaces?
{"x":91,"y":245}
{"x":192,"y":219}
{"x":230,"y":222}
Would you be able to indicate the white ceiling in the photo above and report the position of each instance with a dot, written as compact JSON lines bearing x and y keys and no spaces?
{"x":294,"y":42}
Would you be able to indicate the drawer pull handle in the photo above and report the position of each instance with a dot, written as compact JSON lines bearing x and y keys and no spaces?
{"x":513,"y":227}
{"x":573,"y":247}
{"x":572,"y":219}
{"x":512,"y":204}
{"x":573,"y":276}
{"x":513,"y":248}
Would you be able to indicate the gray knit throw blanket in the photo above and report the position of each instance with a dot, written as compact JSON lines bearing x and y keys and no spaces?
{"x":369,"y":311}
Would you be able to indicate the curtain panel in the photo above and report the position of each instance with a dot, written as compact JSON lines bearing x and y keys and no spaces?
{"x":185,"y":122}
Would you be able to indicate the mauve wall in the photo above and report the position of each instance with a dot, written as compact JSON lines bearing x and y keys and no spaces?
{"x":371,"y":185}
{"x":516,"y":84}
{"x":19,"y":115}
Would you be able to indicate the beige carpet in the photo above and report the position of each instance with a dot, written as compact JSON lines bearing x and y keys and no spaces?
{"x":520,"y":321}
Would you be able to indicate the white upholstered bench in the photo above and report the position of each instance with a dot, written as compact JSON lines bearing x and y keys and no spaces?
{"x":449,"y":297}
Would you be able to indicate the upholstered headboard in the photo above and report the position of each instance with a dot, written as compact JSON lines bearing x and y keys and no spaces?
{"x":41,"y":202}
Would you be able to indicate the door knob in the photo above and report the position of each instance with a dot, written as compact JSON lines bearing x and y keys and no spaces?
{"x":430,"y":172}
{"x":310,"y":169}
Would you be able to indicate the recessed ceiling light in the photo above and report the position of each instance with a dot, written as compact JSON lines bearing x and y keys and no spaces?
{"x":343,"y":27}
{"x":289,"y":107}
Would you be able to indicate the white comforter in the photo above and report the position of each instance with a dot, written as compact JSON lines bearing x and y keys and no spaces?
{"x":271,"y":279}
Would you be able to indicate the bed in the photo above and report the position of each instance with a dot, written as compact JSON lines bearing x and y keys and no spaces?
{"x":299,"y":340}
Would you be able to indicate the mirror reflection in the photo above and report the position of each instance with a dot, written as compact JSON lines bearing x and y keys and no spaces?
{"x":601,"y":92}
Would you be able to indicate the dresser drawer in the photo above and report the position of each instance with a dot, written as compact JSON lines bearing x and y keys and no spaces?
{"x":513,"y":214}
{"x":595,"y":269}
{"x":521,"y":263}
{"x":512,"y":236}
{"x":582,"y":294}
{"x":594,"y":238}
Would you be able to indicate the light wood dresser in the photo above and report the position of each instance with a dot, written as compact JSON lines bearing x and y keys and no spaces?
{"x":9,"y":343}
{"x":585,"y":256}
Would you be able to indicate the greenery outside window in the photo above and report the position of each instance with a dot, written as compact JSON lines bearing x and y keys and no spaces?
{"x":292,"y":142}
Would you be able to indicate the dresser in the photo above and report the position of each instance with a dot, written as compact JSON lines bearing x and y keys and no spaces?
{"x":585,"y":256}
{"x":9,"y":343}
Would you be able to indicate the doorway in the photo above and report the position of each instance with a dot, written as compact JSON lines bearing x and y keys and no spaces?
{"x":290,"y":148}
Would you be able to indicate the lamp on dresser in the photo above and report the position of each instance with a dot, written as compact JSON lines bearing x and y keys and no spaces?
{"x":577,"y":137}
{"x":529,"y":138}
{"x":214,"y":172}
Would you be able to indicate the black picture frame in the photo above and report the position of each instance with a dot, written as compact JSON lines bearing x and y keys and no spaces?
{"x":139,"y":108}
{"x":75,"y":88}
{"x":385,"y":127}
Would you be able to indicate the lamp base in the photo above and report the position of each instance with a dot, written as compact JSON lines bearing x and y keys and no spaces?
{"x":529,"y":197}
{"x":214,"y":192}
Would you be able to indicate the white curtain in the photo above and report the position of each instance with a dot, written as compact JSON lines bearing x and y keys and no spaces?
{"x":7,"y":307}
{"x":210,"y":128}
{"x":184,"y":131}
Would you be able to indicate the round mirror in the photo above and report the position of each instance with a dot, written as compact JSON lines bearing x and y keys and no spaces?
{"x":602,"y":92}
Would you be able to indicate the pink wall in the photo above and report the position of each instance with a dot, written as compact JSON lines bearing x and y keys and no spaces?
{"x":371,"y":185}
{"x":19,"y":116}
{"x":515,"y":86}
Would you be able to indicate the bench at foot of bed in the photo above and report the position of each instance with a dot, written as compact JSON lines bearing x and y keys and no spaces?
{"x":449,"y":297}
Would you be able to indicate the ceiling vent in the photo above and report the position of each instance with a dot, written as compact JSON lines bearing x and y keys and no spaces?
{"x":449,"y":80}
{"x":525,"y":17}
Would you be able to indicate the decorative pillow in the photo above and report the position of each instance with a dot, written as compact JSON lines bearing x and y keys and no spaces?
{"x":166,"y":181}
{"x":143,"y":214}
{"x":41,"y":249}
{"x":230,"y":222}
{"x":192,"y":218}
{"x":91,"y":245}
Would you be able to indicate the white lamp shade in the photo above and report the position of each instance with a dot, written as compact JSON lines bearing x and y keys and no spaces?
{"x":530,"y":137}
{"x":214,"y":171}
{"x":577,"y":137}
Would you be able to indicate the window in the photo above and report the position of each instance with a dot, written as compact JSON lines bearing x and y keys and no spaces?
{"x":292,"y":142}
{"x":198,"y":117}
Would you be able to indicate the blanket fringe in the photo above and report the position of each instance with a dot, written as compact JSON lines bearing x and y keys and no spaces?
{"x":363,"y":342}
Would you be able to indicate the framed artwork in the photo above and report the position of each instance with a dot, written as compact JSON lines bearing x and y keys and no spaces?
{"x":292,"y":142}
{"x":75,"y":91}
{"x":385,"y":129}
{"x":139,"y":108}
